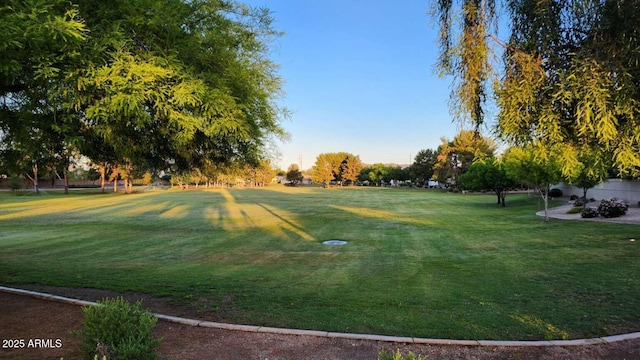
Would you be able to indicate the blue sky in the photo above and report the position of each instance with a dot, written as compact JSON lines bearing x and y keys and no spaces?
{"x":359,"y":77}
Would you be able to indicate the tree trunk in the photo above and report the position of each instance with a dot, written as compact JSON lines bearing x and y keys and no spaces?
{"x":34,"y":179}
{"x":66,"y":181}
{"x":103,"y":177}
{"x":546,"y":202}
{"x":128,"y":177}
{"x":115,"y":179}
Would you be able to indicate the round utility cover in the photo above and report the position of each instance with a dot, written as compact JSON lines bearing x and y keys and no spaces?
{"x":334,"y":242}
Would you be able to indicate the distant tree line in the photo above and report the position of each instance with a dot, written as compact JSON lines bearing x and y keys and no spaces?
{"x":466,"y":162}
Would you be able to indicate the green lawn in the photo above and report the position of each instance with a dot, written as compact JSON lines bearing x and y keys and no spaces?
{"x":418,"y":263}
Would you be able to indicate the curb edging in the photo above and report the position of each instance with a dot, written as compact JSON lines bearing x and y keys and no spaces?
{"x":328,"y":334}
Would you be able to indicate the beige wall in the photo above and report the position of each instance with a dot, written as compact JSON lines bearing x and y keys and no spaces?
{"x":627,"y":190}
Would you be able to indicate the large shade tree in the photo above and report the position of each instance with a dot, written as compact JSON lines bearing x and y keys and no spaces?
{"x":569,"y":80}
{"x":422,"y":168}
{"x":322,"y":170}
{"x":376,"y":174}
{"x":294,"y":175}
{"x":539,"y":172}
{"x":191,"y":79}
{"x":338,"y":167}
{"x":456,"y":156}
{"x":488,"y":174}
{"x":263,"y":173}
{"x":171,"y":85}
{"x":40,"y":40}
{"x":350,"y":168}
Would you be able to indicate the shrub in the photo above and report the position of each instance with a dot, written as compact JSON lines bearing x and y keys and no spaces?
{"x":575,"y":210}
{"x":612,"y":208}
{"x":589,"y":212}
{"x":580,"y":201}
{"x":554,"y":193}
{"x":118,"y":330}
{"x":383,"y":355}
{"x":573,"y":197}
{"x":15,"y":183}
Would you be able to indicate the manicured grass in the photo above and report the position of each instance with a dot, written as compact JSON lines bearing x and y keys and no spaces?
{"x":417,"y":263}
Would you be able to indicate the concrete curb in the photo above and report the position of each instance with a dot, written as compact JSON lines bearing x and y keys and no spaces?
{"x":283,"y":331}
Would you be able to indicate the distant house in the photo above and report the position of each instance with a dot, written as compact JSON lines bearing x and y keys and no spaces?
{"x":278,"y":179}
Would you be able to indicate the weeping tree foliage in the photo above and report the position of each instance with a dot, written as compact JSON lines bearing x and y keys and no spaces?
{"x":569,"y":80}
{"x":465,"y":54}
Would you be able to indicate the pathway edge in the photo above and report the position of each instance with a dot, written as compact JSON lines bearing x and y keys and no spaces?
{"x":328,"y":334}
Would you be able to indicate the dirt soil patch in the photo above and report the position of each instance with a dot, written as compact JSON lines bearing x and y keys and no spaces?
{"x":46,"y":326}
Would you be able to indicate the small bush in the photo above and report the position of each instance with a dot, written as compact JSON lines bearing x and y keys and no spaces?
{"x":575,"y":210}
{"x":555,"y":193}
{"x":118,"y":330}
{"x":15,"y":183}
{"x":612,"y":208}
{"x":589,"y":213}
{"x":383,"y":355}
{"x":580,"y":201}
{"x":573,"y":197}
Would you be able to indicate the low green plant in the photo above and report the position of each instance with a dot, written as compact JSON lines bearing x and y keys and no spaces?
{"x":384,"y":355}
{"x":575,"y":210}
{"x":15,"y":183}
{"x":116,"y":329}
